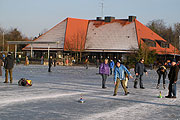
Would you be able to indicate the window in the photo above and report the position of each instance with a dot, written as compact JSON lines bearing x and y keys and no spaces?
{"x":149,"y":42}
{"x":162,"y":43}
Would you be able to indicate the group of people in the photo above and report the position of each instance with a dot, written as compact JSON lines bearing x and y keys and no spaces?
{"x":173,"y":77}
{"x":122,"y":74}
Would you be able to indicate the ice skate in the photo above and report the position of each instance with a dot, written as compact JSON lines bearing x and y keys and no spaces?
{"x":157,"y":86}
{"x":164,"y":86}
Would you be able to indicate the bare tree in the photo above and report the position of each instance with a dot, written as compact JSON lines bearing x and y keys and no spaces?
{"x":76,"y":44}
{"x":142,"y":52}
{"x":11,"y":35}
{"x":169,"y":33}
{"x":177,"y":33}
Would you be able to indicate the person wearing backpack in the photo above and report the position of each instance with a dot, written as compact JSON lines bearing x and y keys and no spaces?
{"x":104,"y":71}
{"x":8,"y":65}
{"x":161,"y":72}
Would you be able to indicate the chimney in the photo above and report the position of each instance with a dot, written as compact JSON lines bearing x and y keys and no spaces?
{"x":99,"y":19}
{"x":109,"y":18}
{"x":131,"y":18}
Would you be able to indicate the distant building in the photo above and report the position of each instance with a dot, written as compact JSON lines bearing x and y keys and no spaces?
{"x":101,"y":38}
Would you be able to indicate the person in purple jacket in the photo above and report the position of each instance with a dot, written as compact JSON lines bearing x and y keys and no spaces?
{"x":104,"y":71}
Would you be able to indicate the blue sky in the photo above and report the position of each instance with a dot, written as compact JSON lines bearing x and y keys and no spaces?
{"x":32,"y":17}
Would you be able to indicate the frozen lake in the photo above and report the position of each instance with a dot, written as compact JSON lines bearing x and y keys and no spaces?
{"x":55,"y":95}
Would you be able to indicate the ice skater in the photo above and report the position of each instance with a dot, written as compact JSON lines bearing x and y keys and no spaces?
{"x":1,"y":64}
{"x":139,"y":70}
{"x":126,"y":76}
{"x":104,"y":71}
{"x":161,"y":72}
{"x":50,"y":63}
{"x":26,"y":61}
{"x":97,"y":63}
{"x":86,"y":63}
{"x":42,"y":60}
{"x":173,"y":77}
{"x":111,"y":65}
{"x":119,"y":76}
{"x":8,"y":65}
{"x":55,"y":62}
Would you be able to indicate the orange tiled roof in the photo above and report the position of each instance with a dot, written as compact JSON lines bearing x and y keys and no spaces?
{"x":76,"y":30}
{"x":144,"y":32}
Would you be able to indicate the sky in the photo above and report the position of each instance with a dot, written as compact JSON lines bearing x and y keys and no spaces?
{"x":32,"y":17}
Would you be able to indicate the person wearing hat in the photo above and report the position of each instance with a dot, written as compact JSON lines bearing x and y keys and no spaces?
{"x":119,"y":76}
{"x":8,"y":65}
{"x":173,"y":76}
{"x":104,"y":71}
{"x":139,"y":70}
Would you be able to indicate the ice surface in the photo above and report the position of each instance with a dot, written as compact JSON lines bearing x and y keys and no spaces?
{"x":55,"y":95}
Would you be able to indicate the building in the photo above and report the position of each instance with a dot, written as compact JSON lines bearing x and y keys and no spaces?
{"x":100,"y":38}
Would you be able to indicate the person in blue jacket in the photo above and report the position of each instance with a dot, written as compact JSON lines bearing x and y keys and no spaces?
{"x":119,"y":76}
{"x":111,"y":65}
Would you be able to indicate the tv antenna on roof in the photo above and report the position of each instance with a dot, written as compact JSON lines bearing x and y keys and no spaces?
{"x":102,"y":8}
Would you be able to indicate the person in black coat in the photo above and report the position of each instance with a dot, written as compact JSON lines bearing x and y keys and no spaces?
{"x":161,"y":72}
{"x":173,"y":76}
{"x":8,"y":65}
{"x":50,"y":63}
{"x":139,"y":70}
{"x":55,"y":62}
